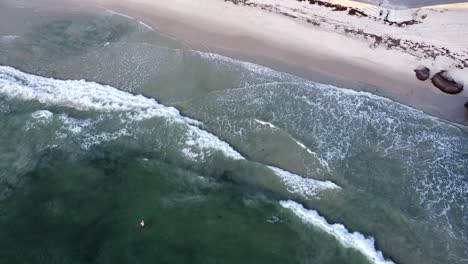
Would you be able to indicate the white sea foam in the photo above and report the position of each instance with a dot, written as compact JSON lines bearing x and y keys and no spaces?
{"x":146,"y":25}
{"x":129,"y":17}
{"x":42,"y":114}
{"x":112,"y":12}
{"x":40,"y":117}
{"x":365,"y":245}
{"x":90,"y":96}
{"x":200,"y":143}
{"x":323,"y":162}
{"x":4,"y":108}
{"x":260,"y":71}
{"x":74,"y":126}
{"x":336,"y":121}
{"x":97,"y":139}
{"x":8,"y":38}
{"x":266,"y":123}
{"x":309,"y":188}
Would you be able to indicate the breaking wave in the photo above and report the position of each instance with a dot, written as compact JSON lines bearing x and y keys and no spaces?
{"x":418,"y":156}
{"x":195,"y":144}
{"x":350,"y":240}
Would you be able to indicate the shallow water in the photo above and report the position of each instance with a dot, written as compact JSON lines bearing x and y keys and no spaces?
{"x":225,"y":161}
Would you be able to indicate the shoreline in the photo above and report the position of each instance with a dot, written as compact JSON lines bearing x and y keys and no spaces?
{"x":185,"y":107}
{"x":300,"y":48}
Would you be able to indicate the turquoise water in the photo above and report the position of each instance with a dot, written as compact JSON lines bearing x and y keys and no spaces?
{"x":226,"y":161}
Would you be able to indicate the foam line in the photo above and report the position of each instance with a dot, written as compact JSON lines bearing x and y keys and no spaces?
{"x":90,"y":96}
{"x":304,"y":186}
{"x":349,"y":240}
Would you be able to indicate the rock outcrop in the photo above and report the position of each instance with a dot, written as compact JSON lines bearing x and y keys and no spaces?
{"x":446,"y":84}
{"x":422,"y":73}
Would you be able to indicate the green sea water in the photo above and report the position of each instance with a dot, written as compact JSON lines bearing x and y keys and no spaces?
{"x":87,"y":210}
{"x":207,"y":150}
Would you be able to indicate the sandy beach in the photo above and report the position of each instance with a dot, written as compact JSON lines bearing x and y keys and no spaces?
{"x":118,"y":112}
{"x":372,"y":53}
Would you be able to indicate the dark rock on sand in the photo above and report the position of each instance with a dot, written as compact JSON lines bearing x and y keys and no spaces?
{"x":422,"y":73}
{"x":446,"y":84}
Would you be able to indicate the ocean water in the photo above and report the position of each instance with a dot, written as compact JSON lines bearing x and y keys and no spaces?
{"x":105,"y":122}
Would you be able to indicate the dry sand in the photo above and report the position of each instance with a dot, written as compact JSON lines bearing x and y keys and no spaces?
{"x":316,"y":52}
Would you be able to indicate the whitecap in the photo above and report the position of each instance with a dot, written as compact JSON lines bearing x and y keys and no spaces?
{"x":89,"y":96}
{"x":42,"y":114}
{"x":304,"y":186}
{"x":355,"y":240}
{"x":265,"y":123}
{"x":40,"y":117}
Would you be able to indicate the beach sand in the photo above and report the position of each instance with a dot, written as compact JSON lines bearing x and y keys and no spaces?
{"x":292,"y":45}
{"x":388,"y":160}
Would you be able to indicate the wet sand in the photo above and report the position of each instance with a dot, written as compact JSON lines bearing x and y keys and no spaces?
{"x":287,"y":55}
